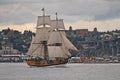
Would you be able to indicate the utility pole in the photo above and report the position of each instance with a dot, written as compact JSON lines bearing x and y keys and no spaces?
{"x":103,"y":46}
{"x":112,"y":50}
{"x":117,"y":46}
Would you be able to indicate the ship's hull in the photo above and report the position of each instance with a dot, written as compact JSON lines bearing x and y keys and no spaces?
{"x":42,"y":63}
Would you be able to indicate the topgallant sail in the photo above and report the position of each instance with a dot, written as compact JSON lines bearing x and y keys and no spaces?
{"x":50,"y":45}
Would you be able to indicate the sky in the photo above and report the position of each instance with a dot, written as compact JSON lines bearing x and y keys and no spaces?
{"x":80,"y":14}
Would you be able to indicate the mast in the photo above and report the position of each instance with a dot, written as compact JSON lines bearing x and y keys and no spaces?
{"x":43,"y":16}
{"x":44,"y":43}
{"x":57,"y":21}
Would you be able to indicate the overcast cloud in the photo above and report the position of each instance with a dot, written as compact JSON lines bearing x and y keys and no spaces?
{"x":25,"y":11}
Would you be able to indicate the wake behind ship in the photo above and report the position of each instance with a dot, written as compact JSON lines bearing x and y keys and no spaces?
{"x":50,"y":45}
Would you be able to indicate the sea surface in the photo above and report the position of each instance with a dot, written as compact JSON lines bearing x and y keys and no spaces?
{"x":73,"y":71}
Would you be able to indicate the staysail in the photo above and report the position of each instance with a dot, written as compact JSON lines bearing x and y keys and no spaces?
{"x":67,"y":43}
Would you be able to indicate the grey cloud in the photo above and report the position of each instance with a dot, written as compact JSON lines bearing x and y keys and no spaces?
{"x":27,"y":1}
{"x":16,"y":14}
{"x":22,"y":11}
{"x":113,"y":0}
{"x":101,"y":10}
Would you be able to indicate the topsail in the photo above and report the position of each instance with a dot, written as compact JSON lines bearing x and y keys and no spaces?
{"x":57,"y":24}
{"x":43,"y":20}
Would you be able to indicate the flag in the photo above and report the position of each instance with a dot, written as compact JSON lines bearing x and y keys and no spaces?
{"x":42,"y":9}
{"x":56,"y":13}
{"x":56,"y":16}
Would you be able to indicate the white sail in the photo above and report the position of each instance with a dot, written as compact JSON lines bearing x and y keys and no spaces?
{"x":66,"y":51}
{"x":36,"y":48}
{"x":39,"y":51}
{"x":67,"y":43}
{"x":31,"y":47}
{"x":62,"y":32}
{"x":55,"y":37}
{"x":42,"y":34}
{"x":56,"y":51}
{"x":43,"y":20}
{"x":57,"y":24}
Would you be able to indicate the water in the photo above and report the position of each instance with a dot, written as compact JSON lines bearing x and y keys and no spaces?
{"x":21,"y":71}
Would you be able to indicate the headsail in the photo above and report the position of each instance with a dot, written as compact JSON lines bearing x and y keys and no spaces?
{"x":67,"y":43}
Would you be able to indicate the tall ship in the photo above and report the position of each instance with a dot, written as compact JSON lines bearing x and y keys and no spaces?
{"x":50,"y":45}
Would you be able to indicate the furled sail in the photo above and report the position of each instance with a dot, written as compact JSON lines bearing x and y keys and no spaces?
{"x":57,"y":24}
{"x":43,"y":20}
